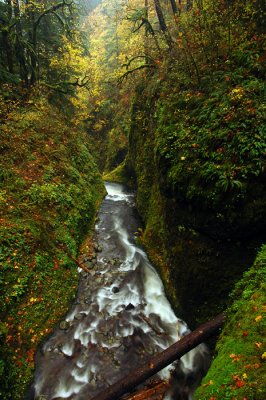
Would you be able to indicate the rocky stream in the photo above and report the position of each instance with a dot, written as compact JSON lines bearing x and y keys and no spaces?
{"x":119,"y":319}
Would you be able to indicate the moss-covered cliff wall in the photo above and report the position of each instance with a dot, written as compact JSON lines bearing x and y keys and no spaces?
{"x":197,"y":157}
{"x":239,"y":368}
{"x":50,"y":190}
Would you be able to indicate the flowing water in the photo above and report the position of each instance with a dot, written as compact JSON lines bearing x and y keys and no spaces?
{"x":120,"y":318}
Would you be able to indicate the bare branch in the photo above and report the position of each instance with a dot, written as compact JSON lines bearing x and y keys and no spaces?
{"x":143,"y":66}
{"x":51,"y":10}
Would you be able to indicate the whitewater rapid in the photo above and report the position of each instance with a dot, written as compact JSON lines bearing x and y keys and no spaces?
{"x":120,"y":318}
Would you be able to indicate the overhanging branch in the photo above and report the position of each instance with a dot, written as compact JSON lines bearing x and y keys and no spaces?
{"x":130,"y":71}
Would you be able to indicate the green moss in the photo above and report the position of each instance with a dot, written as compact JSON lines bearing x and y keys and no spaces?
{"x":50,"y":191}
{"x":120,"y":175}
{"x":238,"y":370}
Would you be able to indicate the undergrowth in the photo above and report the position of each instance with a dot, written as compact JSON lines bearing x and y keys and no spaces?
{"x":50,"y":189}
{"x":239,"y":368}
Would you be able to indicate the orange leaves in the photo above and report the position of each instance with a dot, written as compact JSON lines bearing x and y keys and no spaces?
{"x":239,"y":382}
{"x":30,"y":355}
{"x":258,"y":318}
{"x":235,"y":358}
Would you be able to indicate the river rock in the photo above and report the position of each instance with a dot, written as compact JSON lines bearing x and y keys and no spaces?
{"x":79,"y":316}
{"x":64,"y":325}
{"x":129,"y":307}
{"x":89,"y":264}
{"x":93,"y":382}
{"x":115,"y":289}
{"x":98,"y":248}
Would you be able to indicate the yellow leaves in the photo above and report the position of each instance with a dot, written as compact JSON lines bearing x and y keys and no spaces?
{"x":244,"y":376}
{"x":263,"y":356}
{"x":258,"y":318}
{"x":34,"y":300}
{"x":33,"y":339}
{"x":237,"y":93}
{"x":208,"y":383}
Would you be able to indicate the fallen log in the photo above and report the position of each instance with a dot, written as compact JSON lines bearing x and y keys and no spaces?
{"x":162,"y":360}
{"x":157,"y":392}
{"x":69,"y":255}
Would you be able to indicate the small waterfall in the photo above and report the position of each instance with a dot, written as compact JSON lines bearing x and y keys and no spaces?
{"x":120,"y":318}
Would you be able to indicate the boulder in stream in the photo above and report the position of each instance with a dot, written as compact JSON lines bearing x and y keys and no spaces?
{"x":64,"y":325}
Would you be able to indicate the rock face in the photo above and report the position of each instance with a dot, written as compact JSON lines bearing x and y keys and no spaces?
{"x":201,"y":246}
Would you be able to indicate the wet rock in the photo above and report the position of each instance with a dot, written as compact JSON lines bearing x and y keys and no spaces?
{"x":93,"y":382}
{"x":104,"y":329}
{"x":88,"y":264}
{"x":79,"y":316}
{"x":98,"y":248}
{"x":83,"y":256}
{"x":115,"y":289}
{"x":64,"y":325}
{"x":92,"y":273}
{"x":129,"y":307}
{"x":115,"y":262}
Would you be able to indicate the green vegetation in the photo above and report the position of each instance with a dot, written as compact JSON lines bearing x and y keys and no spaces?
{"x":213,"y":143}
{"x":197,"y":151}
{"x":182,"y":86}
{"x":50,"y":190}
{"x":239,"y":368}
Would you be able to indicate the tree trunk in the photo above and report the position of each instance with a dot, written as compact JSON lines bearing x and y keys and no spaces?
{"x":162,"y":23}
{"x":18,"y":45}
{"x":160,"y":16}
{"x":8,"y":51}
{"x":161,"y":360}
{"x":146,"y":38}
{"x":174,"y":7}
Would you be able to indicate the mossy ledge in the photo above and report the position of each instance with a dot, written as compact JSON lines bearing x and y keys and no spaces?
{"x":50,"y":192}
{"x":239,"y":368}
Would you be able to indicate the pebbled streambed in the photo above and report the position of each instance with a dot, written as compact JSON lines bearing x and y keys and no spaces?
{"x":120,"y":318}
